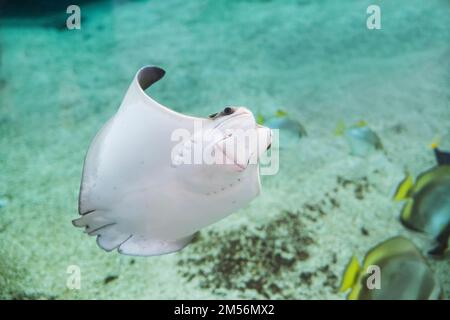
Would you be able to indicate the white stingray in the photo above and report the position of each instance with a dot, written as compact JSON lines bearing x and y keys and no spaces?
{"x":138,"y":197}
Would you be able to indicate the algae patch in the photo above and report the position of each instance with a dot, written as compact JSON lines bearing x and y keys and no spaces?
{"x":361,"y":186}
{"x":259,"y":260}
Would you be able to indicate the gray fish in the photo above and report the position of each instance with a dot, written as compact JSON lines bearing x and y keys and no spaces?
{"x":403,"y":271}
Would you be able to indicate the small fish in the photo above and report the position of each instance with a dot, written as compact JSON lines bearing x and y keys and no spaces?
{"x":427,"y":207}
{"x":361,"y":139}
{"x":3,"y":203}
{"x":284,"y":122}
{"x":403,"y":271}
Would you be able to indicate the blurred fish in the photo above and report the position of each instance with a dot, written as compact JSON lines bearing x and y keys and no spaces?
{"x":428,"y":202}
{"x":284,"y":122}
{"x":404,"y":274}
{"x":361,"y":139}
{"x":290,"y":129}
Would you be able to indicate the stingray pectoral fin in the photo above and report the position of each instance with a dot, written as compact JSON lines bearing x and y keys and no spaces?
{"x":88,"y":192}
{"x":138,"y":245}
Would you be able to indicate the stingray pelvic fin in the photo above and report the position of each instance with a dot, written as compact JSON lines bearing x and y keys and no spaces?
{"x":145,"y":246}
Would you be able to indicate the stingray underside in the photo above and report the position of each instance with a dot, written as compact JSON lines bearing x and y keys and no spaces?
{"x":120,"y":163}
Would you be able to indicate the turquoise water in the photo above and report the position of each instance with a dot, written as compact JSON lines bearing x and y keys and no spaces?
{"x":314,"y":59}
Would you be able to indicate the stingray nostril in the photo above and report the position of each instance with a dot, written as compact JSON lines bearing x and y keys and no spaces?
{"x":227,"y":111}
{"x":269,"y":146}
{"x":212,"y":115}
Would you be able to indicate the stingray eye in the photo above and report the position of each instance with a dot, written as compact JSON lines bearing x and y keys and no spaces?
{"x":227,"y":111}
{"x":212,"y":115}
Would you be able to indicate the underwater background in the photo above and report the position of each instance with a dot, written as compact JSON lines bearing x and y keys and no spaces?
{"x":315,"y":60}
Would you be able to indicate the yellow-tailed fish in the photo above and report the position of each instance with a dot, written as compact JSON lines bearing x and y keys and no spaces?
{"x":285,"y":123}
{"x":361,"y":139}
{"x":427,"y":207}
{"x":404,"y":188}
{"x":403,"y":274}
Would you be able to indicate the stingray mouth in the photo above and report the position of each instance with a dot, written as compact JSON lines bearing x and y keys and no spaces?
{"x":245,"y":147}
{"x":228,"y":159}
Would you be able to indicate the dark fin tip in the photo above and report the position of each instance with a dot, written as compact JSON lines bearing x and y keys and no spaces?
{"x":149,"y":75}
{"x":409,"y":226}
{"x":442,"y":157}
